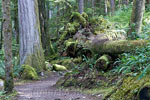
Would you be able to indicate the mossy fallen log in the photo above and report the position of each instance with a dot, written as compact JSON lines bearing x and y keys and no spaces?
{"x":132,"y":89}
{"x":59,"y":67}
{"x":116,"y":47}
{"x":103,"y":62}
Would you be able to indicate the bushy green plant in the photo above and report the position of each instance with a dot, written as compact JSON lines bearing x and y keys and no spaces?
{"x":121,"y":17}
{"x":15,"y":61}
{"x":136,"y":62}
{"x":4,"y":96}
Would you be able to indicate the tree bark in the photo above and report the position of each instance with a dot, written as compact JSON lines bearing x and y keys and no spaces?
{"x":81,"y":6}
{"x":7,"y":31}
{"x":136,"y":18}
{"x":15,"y":18}
{"x":44,"y":26}
{"x":31,"y":52}
{"x":112,"y":6}
{"x":106,"y":8}
{"x":1,"y":35}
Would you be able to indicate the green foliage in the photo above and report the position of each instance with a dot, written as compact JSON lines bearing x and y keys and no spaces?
{"x":100,"y":24}
{"x":15,"y":61}
{"x":121,"y":17}
{"x":4,"y":96}
{"x":88,"y":63}
{"x":134,"y":62}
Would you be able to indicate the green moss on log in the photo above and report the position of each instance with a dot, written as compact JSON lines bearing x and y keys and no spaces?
{"x":99,"y":25}
{"x":116,"y":47}
{"x":130,"y":88}
{"x":77,"y":17}
{"x":84,"y":15}
{"x":29,"y":73}
{"x":103,"y":62}
{"x":59,"y":67}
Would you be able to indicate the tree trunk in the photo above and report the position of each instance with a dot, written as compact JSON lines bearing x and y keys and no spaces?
{"x":112,"y":6}
{"x":15,"y":18}
{"x":31,"y":52}
{"x":81,"y":6}
{"x":7,"y":31}
{"x":1,"y":35}
{"x":125,"y":2}
{"x":136,"y":18}
{"x":106,"y":8}
{"x":43,"y":25}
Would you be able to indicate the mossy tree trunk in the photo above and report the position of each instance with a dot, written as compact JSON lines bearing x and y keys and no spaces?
{"x":7,"y":31}
{"x":81,"y":6}
{"x":44,"y":25}
{"x":31,"y":52}
{"x":136,"y":18}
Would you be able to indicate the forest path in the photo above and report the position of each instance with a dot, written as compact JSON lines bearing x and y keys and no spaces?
{"x":44,"y":89}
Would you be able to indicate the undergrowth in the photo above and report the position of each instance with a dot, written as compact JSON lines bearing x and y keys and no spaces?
{"x":135,"y":62}
{"x":15,"y":61}
{"x":4,"y":96}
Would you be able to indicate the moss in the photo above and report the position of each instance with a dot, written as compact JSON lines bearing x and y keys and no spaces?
{"x":71,"y":47}
{"x":99,"y":25}
{"x":71,"y":28}
{"x":84,"y":15}
{"x":36,"y":59}
{"x":103,"y":62}
{"x":63,"y":36}
{"x":59,"y":67}
{"x":69,"y":63}
{"x":52,"y":51}
{"x":117,"y":47}
{"x":129,"y":88}
{"x":29,"y":73}
{"x":77,"y":17}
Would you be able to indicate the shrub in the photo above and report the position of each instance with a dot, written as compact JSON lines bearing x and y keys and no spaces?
{"x":135,"y":62}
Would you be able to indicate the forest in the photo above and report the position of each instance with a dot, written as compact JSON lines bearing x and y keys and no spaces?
{"x":74,"y":49}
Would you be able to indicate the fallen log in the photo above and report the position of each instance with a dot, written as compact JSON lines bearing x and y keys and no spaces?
{"x":116,"y":47}
{"x":57,"y":67}
{"x":103,"y":62}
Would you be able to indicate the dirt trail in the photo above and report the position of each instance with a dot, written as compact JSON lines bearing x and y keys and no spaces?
{"x":44,"y":90}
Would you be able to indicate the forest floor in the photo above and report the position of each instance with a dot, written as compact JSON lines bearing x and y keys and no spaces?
{"x":44,"y":89}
